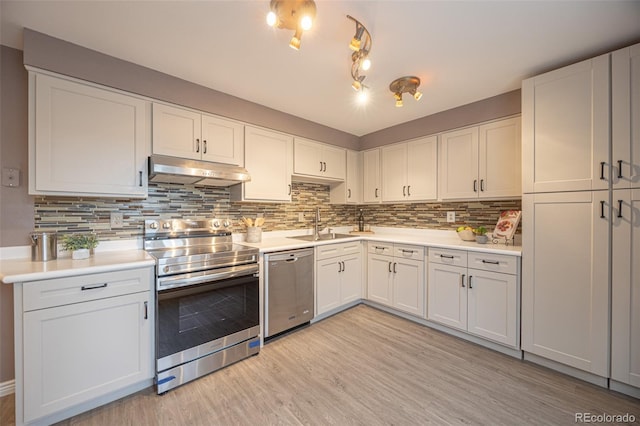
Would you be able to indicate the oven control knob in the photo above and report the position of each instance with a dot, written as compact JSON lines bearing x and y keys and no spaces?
{"x":166,"y":225}
{"x":166,"y":269}
{"x":226,"y":224}
{"x":216,"y":224}
{"x":153,"y":225}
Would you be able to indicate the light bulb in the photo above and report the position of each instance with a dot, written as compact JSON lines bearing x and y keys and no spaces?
{"x":362,"y":96}
{"x":271,"y":18}
{"x":417,"y":95}
{"x":398,"y":101}
{"x":294,"y":43}
{"x":356,"y":85}
{"x":366,"y":64}
{"x":306,"y":22}
{"x":355,"y":44}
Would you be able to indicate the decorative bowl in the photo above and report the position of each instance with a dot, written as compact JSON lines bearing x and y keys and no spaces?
{"x":466,"y":235}
{"x":482,"y":239}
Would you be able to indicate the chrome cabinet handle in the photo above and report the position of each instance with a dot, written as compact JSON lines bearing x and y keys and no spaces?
{"x":602,"y":170}
{"x":376,"y":192}
{"x":325,"y":166}
{"x":140,"y":178}
{"x":619,"y":169}
{"x":475,"y":185}
{"x":93,"y":287}
{"x":481,"y":185}
{"x":409,"y":190}
{"x":602,"y":210}
{"x":470,"y":286}
{"x":344,"y":268}
{"x":492,"y":262}
{"x":462,"y":279}
{"x":389,"y":266}
{"x":204,"y":149}
{"x":619,"y":208}
{"x":197,"y":145}
{"x":320,"y":165}
{"x":289,"y":189}
{"x":404,"y":191}
{"x":446,"y":256}
{"x":146,"y":310}
{"x":407,"y":251}
{"x":349,"y":193}
{"x":394,"y":268}
{"x":339,"y":267}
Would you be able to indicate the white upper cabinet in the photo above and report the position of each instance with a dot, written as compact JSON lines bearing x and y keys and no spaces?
{"x":184,"y":133}
{"x":269,"y":160}
{"x":626,"y":117}
{"x":86,"y":140}
{"x":349,"y":191}
{"x":319,"y":160}
{"x":371,"y":183}
{"x":482,"y":161}
{"x":565,"y":128}
{"x":409,"y":170}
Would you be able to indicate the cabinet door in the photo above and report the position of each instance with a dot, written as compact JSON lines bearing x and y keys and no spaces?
{"x":626,"y":117}
{"x":500,"y":159}
{"x":379,"y":279}
{"x":565,"y":278}
{"x":307,"y":158}
{"x":222,"y":140}
{"x":422,"y":169}
{"x":565,"y":128}
{"x":176,"y":132}
{"x":459,"y":164}
{"x":351,"y":278}
{"x":371,"y":176}
{"x":328,"y":276}
{"x":394,"y":172}
{"x":447,"y":295}
{"x":492,"y":306}
{"x":408,"y":286}
{"x":354,"y":177}
{"x":335,"y":162}
{"x":268,"y":157}
{"x":625,"y":293}
{"x":78,"y":352}
{"x":86,"y":140}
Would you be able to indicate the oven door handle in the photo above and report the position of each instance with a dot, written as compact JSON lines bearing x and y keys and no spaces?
{"x":166,"y":283}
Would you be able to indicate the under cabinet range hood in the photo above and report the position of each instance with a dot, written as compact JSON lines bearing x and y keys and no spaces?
{"x":181,"y":170}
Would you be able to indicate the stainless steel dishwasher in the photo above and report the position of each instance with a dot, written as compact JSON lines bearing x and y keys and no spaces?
{"x":288,"y":290}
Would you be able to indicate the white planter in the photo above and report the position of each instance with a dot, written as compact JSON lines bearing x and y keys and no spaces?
{"x":80,"y":254}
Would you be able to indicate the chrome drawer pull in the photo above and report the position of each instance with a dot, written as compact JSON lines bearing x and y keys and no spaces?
{"x":93,"y":287}
{"x":492,"y":262}
{"x":408,"y":251}
{"x":446,"y":256}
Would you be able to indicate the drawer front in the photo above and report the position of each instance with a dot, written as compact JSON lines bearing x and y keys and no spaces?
{"x":328,"y":251}
{"x":493,"y":262}
{"x":408,"y":252}
{"x":82,"y":288}
{"x":376,"y":247}
{"x":448,"y":257}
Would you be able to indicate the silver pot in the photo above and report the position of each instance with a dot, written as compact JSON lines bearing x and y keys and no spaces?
{"x":44,"y":246}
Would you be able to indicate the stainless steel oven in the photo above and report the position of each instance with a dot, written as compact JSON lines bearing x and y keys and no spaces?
{"x":208,"y":313}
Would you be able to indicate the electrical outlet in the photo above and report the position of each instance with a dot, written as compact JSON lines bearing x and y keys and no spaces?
{"x":300,"y":217}
{"x":117,"y":220}
{"x":451,"y":217}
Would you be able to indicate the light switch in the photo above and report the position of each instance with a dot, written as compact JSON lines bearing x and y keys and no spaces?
{"x":10,"y":177}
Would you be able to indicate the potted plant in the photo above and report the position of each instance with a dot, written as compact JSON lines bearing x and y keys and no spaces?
{"x":481,"y":234}
{"x":80,"y":245}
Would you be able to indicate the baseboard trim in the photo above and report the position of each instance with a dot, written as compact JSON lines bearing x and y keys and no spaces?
{"x":7,"y":388}
{"x":568,"y":370}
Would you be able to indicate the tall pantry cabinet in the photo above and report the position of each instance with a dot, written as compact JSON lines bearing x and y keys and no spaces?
{"x":571,"y":217}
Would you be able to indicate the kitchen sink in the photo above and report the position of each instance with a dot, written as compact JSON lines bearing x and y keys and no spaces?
{"x":322,"y":237}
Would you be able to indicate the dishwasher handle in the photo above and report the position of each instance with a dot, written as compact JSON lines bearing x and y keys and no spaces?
{"x":289,"y":256}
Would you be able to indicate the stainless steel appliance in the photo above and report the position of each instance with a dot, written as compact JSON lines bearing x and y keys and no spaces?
{"x":208,"y":313}
{"x":181,"y":170}
{"x":288,"y":290}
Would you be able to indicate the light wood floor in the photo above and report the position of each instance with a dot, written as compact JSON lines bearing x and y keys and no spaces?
{"x":366,"y":367}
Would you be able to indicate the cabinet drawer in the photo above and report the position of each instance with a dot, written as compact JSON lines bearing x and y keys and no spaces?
{"x":493,"y":262}
{"x":375,"y":247}
{"x":408,"y":252}
{"x":333,"y":250}
{"x":82,"y":288}
{"x":448,"y":257}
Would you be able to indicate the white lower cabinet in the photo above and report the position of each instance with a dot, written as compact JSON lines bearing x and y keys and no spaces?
{"x":625,"y":325}
{"x":396,"y":276}
{"x":338,"y":275}
{"x":475,"y":292}
{"x":83,"y":339}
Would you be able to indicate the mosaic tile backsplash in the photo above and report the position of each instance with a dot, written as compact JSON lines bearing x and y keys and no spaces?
{"x":167,"y":201}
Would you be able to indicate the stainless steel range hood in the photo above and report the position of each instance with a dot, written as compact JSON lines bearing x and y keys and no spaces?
{"x":180,"y":170}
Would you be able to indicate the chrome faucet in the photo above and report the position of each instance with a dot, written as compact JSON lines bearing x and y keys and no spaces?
{"x":316,"y":224}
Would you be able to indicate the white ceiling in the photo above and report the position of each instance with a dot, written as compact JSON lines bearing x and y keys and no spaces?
{"x":463,"y":51}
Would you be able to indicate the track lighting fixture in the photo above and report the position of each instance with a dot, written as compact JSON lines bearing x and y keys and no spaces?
{"x":295,"y":15}
{"x":402,"y":85}
{"x":361,"y":46}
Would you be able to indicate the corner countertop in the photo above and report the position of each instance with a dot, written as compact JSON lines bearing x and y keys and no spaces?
{"x":18,"y":270}
{"x":278,"y":241}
